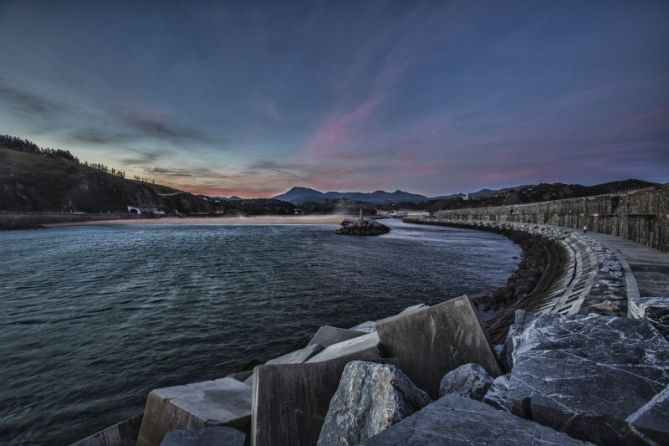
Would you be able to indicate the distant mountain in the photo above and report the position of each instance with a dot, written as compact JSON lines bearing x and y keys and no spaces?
{"x":301,"y":195}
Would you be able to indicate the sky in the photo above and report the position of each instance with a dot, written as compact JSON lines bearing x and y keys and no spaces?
{"x":434,"y":97}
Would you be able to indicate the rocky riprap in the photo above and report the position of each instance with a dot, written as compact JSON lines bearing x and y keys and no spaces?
{"x":469,"y":381}
{"x":371,"y":397}
{"x":362,"y":227}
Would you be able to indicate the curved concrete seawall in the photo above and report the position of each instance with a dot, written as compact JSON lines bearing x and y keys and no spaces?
{"x":641,"y":215}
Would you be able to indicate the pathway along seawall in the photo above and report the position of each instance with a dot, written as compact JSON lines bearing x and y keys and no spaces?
{"x":580,"y":274}
{"x":641,"y":215}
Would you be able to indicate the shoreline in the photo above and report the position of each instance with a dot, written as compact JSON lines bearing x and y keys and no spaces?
{"x":262,"y":220}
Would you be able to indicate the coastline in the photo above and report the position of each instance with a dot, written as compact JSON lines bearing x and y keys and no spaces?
{"x":223,"y":221}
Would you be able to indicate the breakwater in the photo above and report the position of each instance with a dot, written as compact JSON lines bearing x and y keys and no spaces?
{"x":641,"y":215}
{"x":430,"y":375}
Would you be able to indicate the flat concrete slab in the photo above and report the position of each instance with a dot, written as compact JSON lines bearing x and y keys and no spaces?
{"x":649,"y":266}
{"x":120,"y":434}
{"x":433,"y":341}
{"x":458,"y":421}
{"x":328,"y":335}
{"x":205,"y":436}
{"x":224,"y":401}
{"x":290,"y":401}
{"x":297,"y":356}
{"x":361,"y":347}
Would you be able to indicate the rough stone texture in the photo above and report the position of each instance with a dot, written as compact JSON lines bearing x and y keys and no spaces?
{"x":651,"y":422}
{"x":224,"y":401}
{"x":370,"y":398}
{"x":362,"y":347}
{"x":653,"y":309}
{"x":328,"y":335}
{"x":121,"y":434}
{"x":290,"y":401}
{"x":433,"y":341}
{"x":469,"y":381}
{"x":205,"y":436}
{"x":583,"y":374}
{"x":297,"y":356}
{"x":497,"y":394}
{"x":457,"y":421}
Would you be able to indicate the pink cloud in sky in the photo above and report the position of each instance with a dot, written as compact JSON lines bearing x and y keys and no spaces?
{"x":340,"y":128}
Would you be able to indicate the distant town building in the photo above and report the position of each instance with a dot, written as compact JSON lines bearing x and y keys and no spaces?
{"x":141,"y":210}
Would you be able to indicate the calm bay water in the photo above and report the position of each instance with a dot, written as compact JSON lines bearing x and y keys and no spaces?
{"x":93,"y":317}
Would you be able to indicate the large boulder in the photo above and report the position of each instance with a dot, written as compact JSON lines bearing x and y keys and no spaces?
{"x":456,"y":421}
{"x":583,"y":374}
{"x":290,"y":401}
{"x":651,"y":422}
{"x":362,"y":347}
{"x":469,"y":380}
{"x":205,"y":436}
{"x":297,"y":356}
{"x":370,"y":398}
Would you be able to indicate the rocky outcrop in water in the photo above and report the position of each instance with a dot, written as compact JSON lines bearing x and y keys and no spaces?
{"x":469,"y":381}
{"x":362,"y":227}
{"x":371,"y":397}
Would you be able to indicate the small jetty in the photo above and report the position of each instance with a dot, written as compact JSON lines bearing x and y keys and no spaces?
{"x":362,"y":226}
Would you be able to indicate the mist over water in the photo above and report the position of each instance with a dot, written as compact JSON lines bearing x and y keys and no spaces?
{"x":94,"y":317}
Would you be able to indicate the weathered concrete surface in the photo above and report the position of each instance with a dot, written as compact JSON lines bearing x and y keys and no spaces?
{"x":457,"y":421}
{"x":433,"y":341}
{"x":205,"y":436}
{"x":297,"y":356}
{"x":583,"y":374}
{"x":290,"y":401}
{"x":370,"y":398}
{"x":651,"y":422}
{"x":361,"y":347}
{"x":641,"y":216}
{"x":328,"y":335}
{"x":370,"y":326}
{"x":224,"y":401}
{"x":124,"y":433}
{"x":468,"y":381}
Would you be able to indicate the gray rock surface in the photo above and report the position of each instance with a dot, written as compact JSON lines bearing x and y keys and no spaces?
{"x":225,"y":402}
{"x":457,"y":421}
{"x":433,"y":341}
{"x":497,"y":394}
{"x":651,"y":422}
{"x":655,"y":310}
{"x":328,"y":335}
{"x":469,"y":381}
{"x":370,"y":326}
{"x":205,"y":436}
{"x":583,"y":374}
{"x":370,"y":398}
{"x":290,"y":401}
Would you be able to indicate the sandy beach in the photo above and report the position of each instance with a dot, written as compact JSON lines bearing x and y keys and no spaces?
{"x":258,"y":220}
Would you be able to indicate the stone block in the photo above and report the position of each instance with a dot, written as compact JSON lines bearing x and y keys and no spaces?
{"x":120,"y":434}
{"x":290,"y":401}
{"x":362,"y":348}
{"x":583,"y":374}
{"x":433,"y":341}
{"x":456,"y":421}
{"x":297,"y":356}
{"x":370,"y":326}
{"x":222,"y":402}
{"x":205,"y":436}
{"x":469,"y":381}
{"x":650,"y":423}
{"x":328,"y":335}
{"x":370,"y":398}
